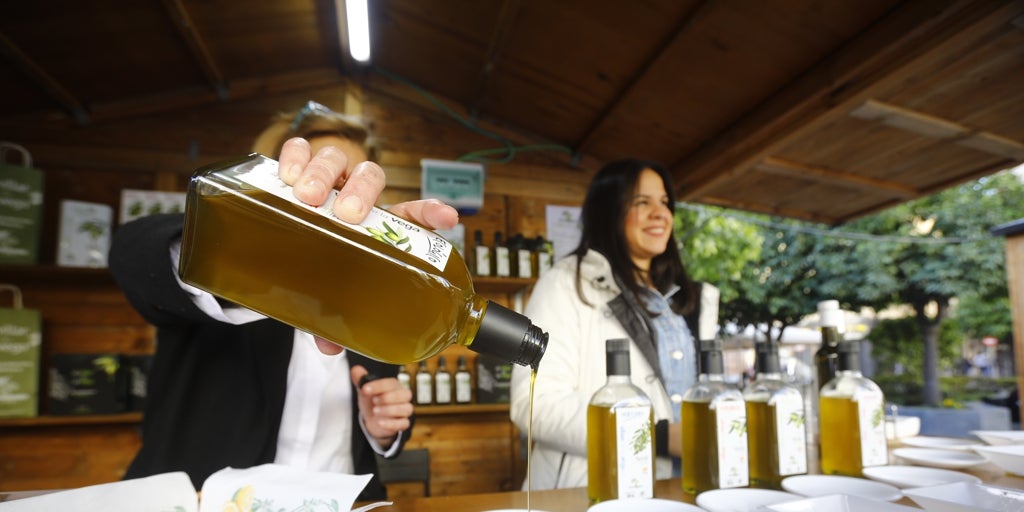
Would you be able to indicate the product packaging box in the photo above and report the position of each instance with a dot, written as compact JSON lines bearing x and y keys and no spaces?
{"x":20,"y":343}
{"x":84,"y":234}
{"x":86,"y":384}
{"x":136,"y":372}
{"x":21,"y":213}
{"x":493,"y":380}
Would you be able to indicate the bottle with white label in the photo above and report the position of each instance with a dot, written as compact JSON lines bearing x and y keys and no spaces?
{"x":404,"y":378}
{"x":387,"y":288}
{"x":442,"y":382}
{"x":852,"y":418}
{"x":620,"y":434}
{"x":714,"y":425}
{"x":463,"y":382}
{"x":481,"y":255}
{"x":524,"y":258}
{"x":424,"y":385}
{"x":545,"y":255}
{"x":502,"y":264}
{"x":777,"y":441}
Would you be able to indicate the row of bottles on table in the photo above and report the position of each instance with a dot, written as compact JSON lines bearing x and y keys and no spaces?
{"x":518,"y":257}
{"x":436,"y":387}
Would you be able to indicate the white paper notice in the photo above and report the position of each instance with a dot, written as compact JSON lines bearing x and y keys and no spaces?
{"x":563,"y":228}
{"x":277,"y":487}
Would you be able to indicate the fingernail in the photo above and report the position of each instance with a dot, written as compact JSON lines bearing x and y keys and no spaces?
{"x":293,"y":171}
{"x":350,"y":208}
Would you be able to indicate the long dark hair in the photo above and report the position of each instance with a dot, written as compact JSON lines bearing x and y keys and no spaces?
{"x":603,"y":220}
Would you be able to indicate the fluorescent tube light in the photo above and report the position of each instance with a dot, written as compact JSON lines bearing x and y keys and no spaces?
{"x":358,"y":20}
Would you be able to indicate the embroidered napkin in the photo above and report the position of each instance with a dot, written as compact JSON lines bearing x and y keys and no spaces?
{"x":272,"y":487}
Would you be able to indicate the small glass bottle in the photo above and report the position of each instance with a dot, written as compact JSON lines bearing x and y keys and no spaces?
{"x":714,"y":425}
{"x":777,"y":441}
{"x":387,"y":288}
{"x":852,"y":419}
{"x":524,"y":258}
{"x":404,"y":378}
{"x":442,"y":382}
{"x":827,"y":356}
{"x":545,"y":255}
{"x":463,"y":382}
{"x":481,"y":255}
{"x":424,"y":385}
{"x":502,"y":263}
{"x":620,"y":433}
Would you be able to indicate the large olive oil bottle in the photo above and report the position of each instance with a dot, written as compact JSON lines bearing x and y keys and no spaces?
{"x":776,"y":437}
{"x":620,"y":433}
{"x":852,"y":419}
{"x":388,"y":288}
{"x":714,"y":425}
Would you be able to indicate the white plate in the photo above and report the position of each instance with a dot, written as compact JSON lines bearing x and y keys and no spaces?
{"x":967,"y":497}
{"x":950,"y":459}
{"x":946,"y":443}
{"x":1009,"y":457}
{"x":917,"y":476}
{"x":742,"y":500}
{"x":638,"y":505}
{"x":998,"y":437}
{"x":821,"y":485}
{"x":839,"y":503}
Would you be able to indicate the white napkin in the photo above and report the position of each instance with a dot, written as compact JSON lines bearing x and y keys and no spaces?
{"x":272,"y":487}
{"x":158,"y":493}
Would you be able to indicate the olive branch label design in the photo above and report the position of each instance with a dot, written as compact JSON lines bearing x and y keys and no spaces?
{"x":642,"y":439}
{"x":390,"y":236}
{"x":738,"y":426}
{"x":876,"y":417}
{"x":796,"y":418}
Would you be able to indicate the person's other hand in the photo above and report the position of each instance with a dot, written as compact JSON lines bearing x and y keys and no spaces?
{"x":385,"y":406}
{"x":313,"y":177}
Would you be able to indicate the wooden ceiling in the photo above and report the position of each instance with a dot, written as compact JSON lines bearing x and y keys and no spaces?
{"x":823,"y":110}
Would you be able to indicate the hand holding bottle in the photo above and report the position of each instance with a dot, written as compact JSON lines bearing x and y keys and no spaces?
{"x":359,"y":184}
{"x":384,"y":404}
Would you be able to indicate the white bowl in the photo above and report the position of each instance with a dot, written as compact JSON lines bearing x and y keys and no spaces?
{"x":1009,"y":458}
{"x":917,"y":476}
{"x":742,"y":500}
{"x":839,"y":503}
{"x":822,"y":485}
{"x":901,"y":427}
{"x":944,"y":443}
{"x":938,"y":458}
{"x":648,"y":505}
{"x":999,"y":437}
{"x":966,"y":497}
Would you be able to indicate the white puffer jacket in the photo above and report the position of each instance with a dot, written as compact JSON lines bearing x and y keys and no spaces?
{"x":573,"y":368}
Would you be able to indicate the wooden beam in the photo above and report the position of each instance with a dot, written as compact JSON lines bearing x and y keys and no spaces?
{"x":55,"y":89}
{"x":935,"y":127}
{"x":653,"y":61}
{"x":496,"y":46}
{"x":194,"y":40}
{"x":786,"y":167}
{"x":915,"y":35}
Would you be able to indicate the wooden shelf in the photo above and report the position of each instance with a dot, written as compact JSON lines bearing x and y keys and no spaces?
{"x":72,"y":420}
{"x":456,"y":409}
{"x":54,"y":275}
{"x":501,"y":284}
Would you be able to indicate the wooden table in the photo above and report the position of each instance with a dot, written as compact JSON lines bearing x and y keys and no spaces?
{"x":575,"y":500}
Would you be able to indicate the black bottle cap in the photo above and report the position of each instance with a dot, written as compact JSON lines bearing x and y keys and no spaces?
{"x":711,"y":358}
{"x":617,"y":356}
{"x":849,"y":356}
{"x":767,"y":360}
{"x":510,"y":336}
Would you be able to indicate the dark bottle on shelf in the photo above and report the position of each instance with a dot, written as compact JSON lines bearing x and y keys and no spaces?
{"x":481,"y":255}
{"x":442,"y":383}
{"x":424,"y":385}
{"x":463,"y":382}
{"x":502,"y":265}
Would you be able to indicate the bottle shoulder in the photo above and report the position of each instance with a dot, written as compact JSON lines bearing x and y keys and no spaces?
{"x":764,"y":390}
{"x":712,"y":391}
{"x":849,"y":385}
{"x":618,"y":395}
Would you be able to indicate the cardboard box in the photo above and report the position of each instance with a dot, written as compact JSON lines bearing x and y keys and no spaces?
{"x":493,"y":380}
{"x":84,"y":236}
{"x":86,"y":384}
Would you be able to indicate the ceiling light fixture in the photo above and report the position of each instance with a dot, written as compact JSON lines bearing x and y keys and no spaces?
{"x":358,"y":24}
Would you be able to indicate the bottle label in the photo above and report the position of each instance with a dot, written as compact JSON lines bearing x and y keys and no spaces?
{"x":444,"y":388}
{"x":871,"y":412}
{"x":634,"y":445}
{"x":424,"y":391}
{"x":463,"y":390}
{"x":502,"y":267}
{"x":403,"y":379}
{"x":379,"y":224}
{"x":731,"y":425}
{"x":483,"y":261}
{"x":792,"y":440}
{"x":525,"y":264}
{"x":544,"y":262}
